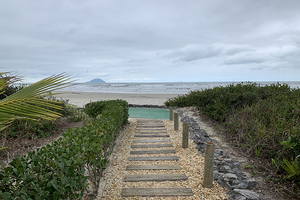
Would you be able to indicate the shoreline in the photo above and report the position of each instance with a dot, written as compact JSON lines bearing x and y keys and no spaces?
{"x":80,"y":99}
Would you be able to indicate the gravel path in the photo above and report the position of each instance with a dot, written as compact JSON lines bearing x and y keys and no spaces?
{"x":190,"y":160}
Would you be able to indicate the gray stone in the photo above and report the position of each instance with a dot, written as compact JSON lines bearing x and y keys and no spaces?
{"x":240,"y":198}
{"x":247,"y":194}
{"x":236,"y":182}
{"x":218,"y":176}
{"x":219,"y":151}
{"x":236,"y":164}
{"x":228,"y":185}
{"x":224,"y":168}
{"x":228,"y":160}
{"x":217,"y":162}
{"x":238,"y":172}
{"x":226,"y":156}
{"x":241,"y":186}
{"x":233,"y":178}
{"x":219,"y":158}
{"x":251,"y":182}
{"x":230,"y":176}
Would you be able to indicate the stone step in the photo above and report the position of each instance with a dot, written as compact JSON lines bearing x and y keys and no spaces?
{"x":152,"y":135}
{"x":151,"y":146}
{"x":155,"y":177}
{"x":162,"y":151}
{"x":153,"y":158}
{"x":153,"y":167}
{"x":154,"y":192}
{"x":150,"y":141}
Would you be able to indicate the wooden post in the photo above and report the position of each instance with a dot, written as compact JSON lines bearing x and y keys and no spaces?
{"x":185,"y":135}
{"x":176,"y":122}
{"x":171,"y":113}
{"x":208,"y":165}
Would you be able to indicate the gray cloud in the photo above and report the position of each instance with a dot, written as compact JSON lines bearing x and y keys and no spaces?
{"x":139,"y":40}
{"x":192,"y":53}
{"x":247,"y":59}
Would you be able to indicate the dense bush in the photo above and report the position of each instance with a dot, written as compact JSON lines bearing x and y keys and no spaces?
{"x":95,"y":108}
{"x":57,"y":171}
{"x":31,"y":129}
{"x":262,"y":120}
{"x":9,"y":90}
{"x":43,"y":128}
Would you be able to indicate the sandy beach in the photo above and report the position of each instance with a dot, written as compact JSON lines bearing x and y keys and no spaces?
{"x":81,"y":98}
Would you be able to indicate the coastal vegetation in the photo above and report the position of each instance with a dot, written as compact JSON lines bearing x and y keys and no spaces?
{"x":264,"y":121}
{"x":28,"y":103}
{"x":69,"y":166}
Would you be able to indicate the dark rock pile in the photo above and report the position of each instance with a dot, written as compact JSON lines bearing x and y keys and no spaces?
{"x":226,"y":172}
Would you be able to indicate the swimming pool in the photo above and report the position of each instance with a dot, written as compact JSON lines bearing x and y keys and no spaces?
{"x":149,"y":113}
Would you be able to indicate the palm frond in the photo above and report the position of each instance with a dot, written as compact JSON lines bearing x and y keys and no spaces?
{"x":28,"y":102}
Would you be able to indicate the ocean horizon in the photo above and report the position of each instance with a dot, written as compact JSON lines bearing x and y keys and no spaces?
{"x":159,"y":87}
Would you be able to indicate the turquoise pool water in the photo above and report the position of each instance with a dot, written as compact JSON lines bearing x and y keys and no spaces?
{"x":149,"y":113}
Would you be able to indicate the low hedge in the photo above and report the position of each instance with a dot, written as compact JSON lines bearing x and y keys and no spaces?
{"x":63,"y":169}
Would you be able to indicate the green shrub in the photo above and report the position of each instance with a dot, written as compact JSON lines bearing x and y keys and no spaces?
{"x":75,"y":114}
{"x":57,"y":171}
{"x":95,"y":108}
{"x":52,"y":172}
{"x":43,"y":128}
{"x":9,"y":90}
{"x":30,"y":129}
{"x":262,"y":120}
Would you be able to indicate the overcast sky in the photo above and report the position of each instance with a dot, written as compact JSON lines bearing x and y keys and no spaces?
{"x":152,"y":40}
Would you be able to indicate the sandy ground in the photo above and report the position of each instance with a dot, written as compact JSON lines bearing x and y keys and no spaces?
{"x":81,"y":98}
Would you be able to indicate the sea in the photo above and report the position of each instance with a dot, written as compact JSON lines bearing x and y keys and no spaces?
{"x":158,"y":87}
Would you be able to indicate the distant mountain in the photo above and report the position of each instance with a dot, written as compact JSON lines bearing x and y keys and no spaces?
{"x":96,"y":80}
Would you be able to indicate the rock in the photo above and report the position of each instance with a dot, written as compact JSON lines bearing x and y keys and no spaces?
{"x":237,"y":165}
{"x":217,"y":162}
{"x":228,"y":160}
{"x":238,"y":172}
{"x":219,"y":151}
{"x":236,"y":182}
{"x":228,"y":185}
{"x":220,"y":158}
{"x":226,"y":172}
{"x":251,"y":182}
{"x":218,"y":175}
{"x":242,"y":185}
{"x":248,"y":194}
{"x":230,"y":176}
{"x":225,"y":168}
{"x":240,"y":198}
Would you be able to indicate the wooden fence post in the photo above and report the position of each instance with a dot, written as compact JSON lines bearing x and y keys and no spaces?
{"x":185,"y":135}
{"x":171,"y":113}
{"x":176,"y":122}
{"x":208,"y":165}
